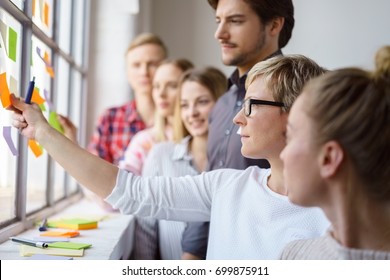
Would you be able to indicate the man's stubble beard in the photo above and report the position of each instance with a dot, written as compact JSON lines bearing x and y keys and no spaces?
{"x":244,"y":58}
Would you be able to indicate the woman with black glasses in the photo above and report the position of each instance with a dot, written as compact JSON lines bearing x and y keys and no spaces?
{"x":249,"y":212}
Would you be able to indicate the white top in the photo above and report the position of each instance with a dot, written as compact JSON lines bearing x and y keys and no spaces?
{"x":171,"y":160}
{"x":327,"y":248}
{"x":247,"y":219}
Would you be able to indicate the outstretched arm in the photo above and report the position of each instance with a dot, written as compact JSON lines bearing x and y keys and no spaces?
{"x":92,"y":172}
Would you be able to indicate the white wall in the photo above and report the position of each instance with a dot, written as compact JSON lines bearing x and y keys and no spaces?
{"x":339,"y":33}
{"x":335,"y":33}
{"x":113,"y":25}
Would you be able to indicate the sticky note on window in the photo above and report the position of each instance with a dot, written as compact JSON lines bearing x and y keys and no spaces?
{"x":35,"y":148}
{"x":8,"y":140}
{"x":4,"y":91}
{"x":46,"y":14}
{"x":12,"y":43}
{"x":3,"y":34}
{"x":53,"y":121}
{"x":36,"y":97}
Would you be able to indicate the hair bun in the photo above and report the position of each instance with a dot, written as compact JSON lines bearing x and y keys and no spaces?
{"x":382,"y":62}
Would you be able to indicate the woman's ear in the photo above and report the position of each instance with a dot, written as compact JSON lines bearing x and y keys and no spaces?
{"x":331,"y":157}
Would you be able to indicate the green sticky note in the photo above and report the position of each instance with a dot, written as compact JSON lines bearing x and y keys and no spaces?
{"x":53,"y":121}
{"x":12,"y":42}
{"x":69,"y":245}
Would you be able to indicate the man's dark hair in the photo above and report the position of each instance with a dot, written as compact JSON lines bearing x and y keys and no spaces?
{"x":267,"y":10}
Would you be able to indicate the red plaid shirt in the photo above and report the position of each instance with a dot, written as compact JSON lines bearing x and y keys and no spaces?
{"x":116,"y":127}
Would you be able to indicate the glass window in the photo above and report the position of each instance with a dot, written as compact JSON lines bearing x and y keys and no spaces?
{"x":64,"y":25}
{"x":78,"y":20}
{"x":30,"y":177}
{"x":18,"y":3}
{"x":62,"y":106}
{"x":75,"y":115}
{"x":37,"y":166}
{"x":42,"y":15}
{"x":10,"y":65}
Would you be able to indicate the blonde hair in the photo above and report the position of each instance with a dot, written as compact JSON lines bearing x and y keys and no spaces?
{"x":352,"y":107}
{"x":209,"y":77}
{"x":160,"y":123}
{"x":145,"y":39}
{"x":285,"y":76}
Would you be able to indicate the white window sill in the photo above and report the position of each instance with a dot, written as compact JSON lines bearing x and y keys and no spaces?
{"x":112,"y":240}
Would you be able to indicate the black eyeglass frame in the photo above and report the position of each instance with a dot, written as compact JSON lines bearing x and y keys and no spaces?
{"x":247,"y":104}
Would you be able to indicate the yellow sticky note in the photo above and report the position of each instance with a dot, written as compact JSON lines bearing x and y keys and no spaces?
{"x":35,"y":148}
{"x":26,"y":251}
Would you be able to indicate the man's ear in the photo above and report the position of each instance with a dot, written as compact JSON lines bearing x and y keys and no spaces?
{"x":331,"y":157}
{"x":276,"y":25}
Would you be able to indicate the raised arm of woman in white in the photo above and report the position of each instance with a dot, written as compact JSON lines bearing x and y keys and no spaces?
{"x":92,"y":172}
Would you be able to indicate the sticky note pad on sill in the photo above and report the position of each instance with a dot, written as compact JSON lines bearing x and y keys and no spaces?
{"x":73,"y":224}
{"x":48,"y":257}
{"x":53,"y":233}
{"x":27,"y":251}
{"x":69,"y":245}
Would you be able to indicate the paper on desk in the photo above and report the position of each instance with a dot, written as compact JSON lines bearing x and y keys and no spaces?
{"x":48,"y":257}
{"x":54,"y":233}
{"x":69,"y":245}
{"x":26,"y":251}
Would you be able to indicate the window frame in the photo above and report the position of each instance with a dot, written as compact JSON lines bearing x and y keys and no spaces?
{"x":23,"y":220}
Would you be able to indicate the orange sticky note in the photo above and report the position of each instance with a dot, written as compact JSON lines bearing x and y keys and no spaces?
{"x":46,"y":14}
{"x":60,"y":233}
{"x":35,"y":148}
{"x":50,"y":71}
{"x":4,"y":91}
{"x":36,"y":97}
{"x":33,"y":7}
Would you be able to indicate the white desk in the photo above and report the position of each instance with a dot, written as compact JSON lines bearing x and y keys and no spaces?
{"x":113,"y":239}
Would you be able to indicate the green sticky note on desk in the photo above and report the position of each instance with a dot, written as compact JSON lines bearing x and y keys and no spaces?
{"x":69,"y":245}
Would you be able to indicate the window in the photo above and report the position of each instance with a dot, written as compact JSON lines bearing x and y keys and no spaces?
{"x":43,"y":39}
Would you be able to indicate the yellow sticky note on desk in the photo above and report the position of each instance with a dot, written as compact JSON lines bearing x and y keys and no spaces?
{"x":26,"y":251}
{"x":73,"y":224}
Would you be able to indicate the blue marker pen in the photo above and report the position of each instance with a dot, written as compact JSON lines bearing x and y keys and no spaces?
{"x":30,"y":91}
{"x":42,"y":227}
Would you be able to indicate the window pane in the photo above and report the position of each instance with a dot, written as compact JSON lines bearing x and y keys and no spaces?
{"x":10,"y":65}
{"x":62,"y":104}
{"x":78,"y":20}
{"x":42,"y":11}
{"x":75,"y":114}
{"x":64,"y":28}
{"x":37,"y":167}
{"x":18,"y":3}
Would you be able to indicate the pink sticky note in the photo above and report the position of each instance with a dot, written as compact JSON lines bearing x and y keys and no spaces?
{"x":8,"y":139}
